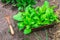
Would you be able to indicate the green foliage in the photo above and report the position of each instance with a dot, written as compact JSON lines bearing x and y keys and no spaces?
{"x":18,"y":17}
{"x":35,"y":17}
{"x":21,"y":4}
{"x":3,"y":1}
{"x":20,"y":25}
{"x":27,"y":31}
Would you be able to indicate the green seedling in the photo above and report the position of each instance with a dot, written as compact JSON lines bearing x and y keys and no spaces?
{"x":9,"y":30}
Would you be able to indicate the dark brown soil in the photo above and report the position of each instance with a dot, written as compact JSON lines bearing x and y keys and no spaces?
{"x":45,"y":34}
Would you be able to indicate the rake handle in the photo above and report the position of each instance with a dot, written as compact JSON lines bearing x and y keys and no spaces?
{"x":11,"y":29}
{"x":10,"y":26}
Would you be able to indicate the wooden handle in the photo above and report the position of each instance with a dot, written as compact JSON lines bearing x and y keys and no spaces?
{"x":9,"y":23}
{"x":11,"y":29}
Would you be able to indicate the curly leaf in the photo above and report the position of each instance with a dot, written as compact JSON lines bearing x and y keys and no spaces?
{"x":27,"y":31}
{"x":20,"y":25}
{"x":18,"y":17}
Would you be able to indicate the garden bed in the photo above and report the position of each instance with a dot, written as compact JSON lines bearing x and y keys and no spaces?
{"x":20,"y":36}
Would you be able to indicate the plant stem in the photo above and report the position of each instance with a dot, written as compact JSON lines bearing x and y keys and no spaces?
{"x":46,"y":34}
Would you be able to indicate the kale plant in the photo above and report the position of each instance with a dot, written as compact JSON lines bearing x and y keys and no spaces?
{"x":21,"y":4}
{"x":35,"y":17}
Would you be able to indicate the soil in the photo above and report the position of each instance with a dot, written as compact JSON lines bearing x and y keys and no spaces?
{"x":44,"y":34}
